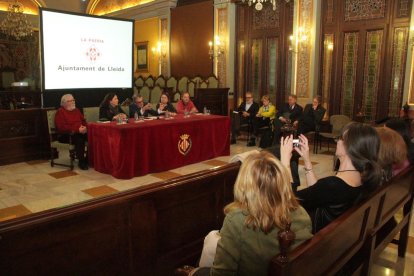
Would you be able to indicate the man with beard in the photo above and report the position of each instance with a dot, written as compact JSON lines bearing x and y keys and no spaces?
{"x":69,"y":119}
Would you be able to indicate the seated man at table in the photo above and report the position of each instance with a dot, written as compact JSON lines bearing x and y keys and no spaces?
{"x":141,"y":108}
{"x":264,"y":117}
{"x":245,"y":115}
{"x":290,"y":112}
{"x":185,"y":105}
{"x":312,"y":116}
{"x":110,"y":109}
{"x":69,"y":119}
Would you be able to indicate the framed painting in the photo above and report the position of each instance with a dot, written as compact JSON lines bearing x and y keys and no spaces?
{"x":142,"y":56}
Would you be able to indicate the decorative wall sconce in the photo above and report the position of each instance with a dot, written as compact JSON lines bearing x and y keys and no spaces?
{"x":216,"y":49}
{"x":160,"y":51}
{"x":328,"y":44}
{"x":299,"y":39}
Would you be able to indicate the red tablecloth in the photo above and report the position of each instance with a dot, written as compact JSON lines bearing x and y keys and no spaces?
{"x":135,"y":149}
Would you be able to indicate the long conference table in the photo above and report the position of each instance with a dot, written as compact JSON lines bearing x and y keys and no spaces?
{"x":140,"y":147}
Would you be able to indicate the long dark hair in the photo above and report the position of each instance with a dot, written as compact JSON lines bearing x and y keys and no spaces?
{"x":362,"y":144}
{"x":107,"y":99}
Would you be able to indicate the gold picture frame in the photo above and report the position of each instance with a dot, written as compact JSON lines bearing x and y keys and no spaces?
{"x":142,"y":56}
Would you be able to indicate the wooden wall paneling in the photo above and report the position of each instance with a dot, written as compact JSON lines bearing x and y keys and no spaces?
{"x":214,"y":99}
{"x":192,"y":26}
{"x":143,"y":233}
{"x":285,"y":75}
{"x":23,"y":135}
{"x":240,"y":60}
{"x":76,"y":244}
{"x":394,"y":15}
{"x":258,"y":27}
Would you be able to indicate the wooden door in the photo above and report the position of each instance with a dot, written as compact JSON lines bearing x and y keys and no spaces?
{"x":363,"y":56}
{"x":262,"y":51}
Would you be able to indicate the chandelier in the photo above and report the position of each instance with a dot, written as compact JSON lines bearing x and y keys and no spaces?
{"x":16,"y":25}
{"x":258,"y":3}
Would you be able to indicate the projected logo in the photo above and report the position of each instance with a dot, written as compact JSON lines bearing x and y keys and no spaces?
{"x":184,"y":144}
{"x":93,"y":53}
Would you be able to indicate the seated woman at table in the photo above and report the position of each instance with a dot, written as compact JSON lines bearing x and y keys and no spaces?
{"x":141,"y":108}
{"x":165,"y":105}
{"x":358,"y":175}
{"x":185,"y":105}
{"x":263,"y":205}
{"x":110,"y":109}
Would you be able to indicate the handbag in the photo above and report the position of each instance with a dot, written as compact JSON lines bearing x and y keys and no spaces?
{"x":209,"y":249}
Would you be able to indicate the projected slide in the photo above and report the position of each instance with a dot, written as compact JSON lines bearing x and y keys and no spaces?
{"x":86,"y":52}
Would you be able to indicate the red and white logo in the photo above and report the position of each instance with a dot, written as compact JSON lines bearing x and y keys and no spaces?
{"x":93,"y":53}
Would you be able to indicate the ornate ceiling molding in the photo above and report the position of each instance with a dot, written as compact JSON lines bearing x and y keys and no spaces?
{"x":157,"y":8}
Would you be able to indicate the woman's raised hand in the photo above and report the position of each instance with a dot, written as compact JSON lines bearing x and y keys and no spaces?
{"x":303,"y":148}
{"x":286,"y":147}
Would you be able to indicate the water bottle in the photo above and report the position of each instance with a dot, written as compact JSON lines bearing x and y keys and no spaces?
{"x":205,"y":110}
{"x":136,"y":117}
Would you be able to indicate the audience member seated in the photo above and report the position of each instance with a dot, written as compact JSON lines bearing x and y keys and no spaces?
{"x":245,"y":115}
{"x":109,"y":109}
{"x":289,"y":113}
{"x":311,"y":117}
{"x":141,"y":108}
{"x":393,"y":152}
{"x":164,"y":105}
{"x":69,"y":119}
{"x":263,"y":205}
{"x":185,"y":105}
{"x":358,"y":175}
{"x":403,"y":127}
{"x":264,"y":117}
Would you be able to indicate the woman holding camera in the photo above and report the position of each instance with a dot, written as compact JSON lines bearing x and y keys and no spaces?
{"x":358,"y":175}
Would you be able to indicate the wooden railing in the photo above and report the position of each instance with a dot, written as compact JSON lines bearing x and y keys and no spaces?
{"x":145,"y":231}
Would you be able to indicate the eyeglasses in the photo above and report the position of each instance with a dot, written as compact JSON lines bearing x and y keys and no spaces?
{"x":248,"y":97}
{"x":69,"y":101}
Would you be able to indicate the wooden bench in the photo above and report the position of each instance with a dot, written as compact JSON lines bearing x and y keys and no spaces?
{"x":351,"y":238}
{"x":156,"y":228}
{"x":145,"y":231}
